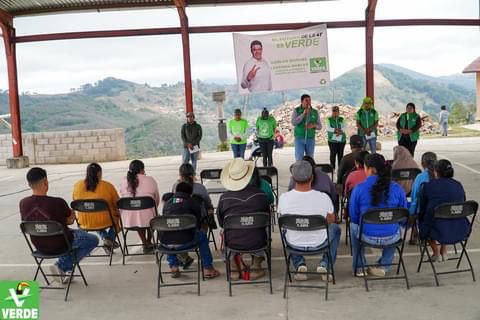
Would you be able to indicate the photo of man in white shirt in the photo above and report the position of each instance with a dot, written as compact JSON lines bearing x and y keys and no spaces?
{"x":256,"y":76}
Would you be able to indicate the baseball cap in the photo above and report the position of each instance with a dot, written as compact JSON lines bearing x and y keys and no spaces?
{"x":301,"y":171}
{"x":356,"y":141}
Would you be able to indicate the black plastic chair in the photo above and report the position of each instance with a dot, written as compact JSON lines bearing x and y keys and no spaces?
{"x":326,"y":167}
{"x":174,"y":223}
{"x":304,"y":223}
{"x":94,"y":206}
{"x":208,"y":219}
{"x":405,"y":174}
{"x":450,"y":211}
{"x":212,"y":174}
{"x":135,"y":204}
{"x":245,"y":223}
{"x":46,"y":229}
{"x":379,"y":217}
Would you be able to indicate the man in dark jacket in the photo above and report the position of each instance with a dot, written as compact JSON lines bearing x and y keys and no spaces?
{"x":181,"y":203}
{"x":191,"y":136}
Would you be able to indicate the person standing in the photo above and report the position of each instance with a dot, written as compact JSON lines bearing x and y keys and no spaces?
{"x":306,"y":120}
{"x":367,"y":123}
{"x":408,"y":126}
{"x":336,"y":136}
{"x":266,"y":125}
{"x":237,"y":127}
{"x":191,"y":136}
{"x":443,"y":120}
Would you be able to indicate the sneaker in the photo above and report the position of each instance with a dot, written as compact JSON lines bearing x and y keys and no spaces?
{"x":58,"y":274}
{"x":301,"y":276}
{"x":359,"y":273}
{"x":188,"y":262}
{"x":108,"y":250}
{"x":324,"y":272}
{"x":444,"y":257}
{"x":376,"y":272}
{"x":107,"y":242}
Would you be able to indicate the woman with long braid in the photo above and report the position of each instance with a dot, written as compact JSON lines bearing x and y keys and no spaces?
{"x":138,"y":184}
{"x":93,"y":187}
{"x":378,"y":191}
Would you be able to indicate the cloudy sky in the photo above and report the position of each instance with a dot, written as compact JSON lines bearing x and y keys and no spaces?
{"x":57,"y":66}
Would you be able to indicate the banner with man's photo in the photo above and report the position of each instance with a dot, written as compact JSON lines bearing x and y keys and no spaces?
{"x":282,"y":60}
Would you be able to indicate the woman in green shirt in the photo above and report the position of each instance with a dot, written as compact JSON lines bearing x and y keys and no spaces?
{"x":237,"y":127}
{"x":266,"y":125}
{"x":408,"y":125}
{"x":336,"y":135}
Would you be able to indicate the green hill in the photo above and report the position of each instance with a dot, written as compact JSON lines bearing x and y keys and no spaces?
{"x":152,"y":116}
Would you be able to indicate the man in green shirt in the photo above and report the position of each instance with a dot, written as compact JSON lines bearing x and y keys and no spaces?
{"x":266,"y":125}
{"x":367,"y":123}
{"x":305,"y":120}
{"x":238,"y":131}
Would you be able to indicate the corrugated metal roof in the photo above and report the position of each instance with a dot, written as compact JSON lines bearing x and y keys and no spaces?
{"x":473,"y":67}
{"x":31,"y":7}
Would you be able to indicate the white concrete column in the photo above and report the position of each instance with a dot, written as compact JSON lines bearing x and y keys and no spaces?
{"x":477,"y":117}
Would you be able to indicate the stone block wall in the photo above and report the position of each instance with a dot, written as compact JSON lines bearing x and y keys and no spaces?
{"x":75,"y":146}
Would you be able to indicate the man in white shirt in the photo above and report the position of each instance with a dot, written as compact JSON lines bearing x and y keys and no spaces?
{"x":256,"y":76}
{"x":304,"y":201}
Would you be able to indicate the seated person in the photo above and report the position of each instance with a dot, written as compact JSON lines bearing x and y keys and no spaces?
{"x":321,"y":181}
{"x":427,"y":162}
{"x":40,"y":207}
{"x":378,"y":191}
{"x":358,"y":175}
{"x":303,"y":200}
{"x":441,"y":190}
{"x":278,"y":139}
{"x":402,"y":159}
{"x":347,"y":163}
{"x":137,"y":184}
{"x":244,"y":196}
{"x":182,"y":203}
{"x":93,"y":187}
{"x":265,"y":185}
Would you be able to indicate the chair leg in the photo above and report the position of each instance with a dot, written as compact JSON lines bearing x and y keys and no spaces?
{"x":423,"y":247}
{"x":464,"y":249}
{"x":159,"y":278}
{"x":39,"y":268}
{"x":269,"y":265}
{"x":401,"y":262}
{"x":210,"y":233}
{"x":399,"y":258}
{"x":81,"y":273}
{"x":433,"y":267}
{"x":70,"y":281}
{"x":199,"y":269}
{"x":365,"y":276}
{"x":229,"y":276}
{"x":326,"y":285}
{"x":332,"y":270}
{"x":121,"y":249}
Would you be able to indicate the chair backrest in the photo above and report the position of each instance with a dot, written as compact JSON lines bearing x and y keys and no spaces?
{"x":405,"y":174}
{"x":42,"y":228}
{"x":137,"y":203}
{"x":210,"y":174}
{"x":456,"y":210}
{"x":170,"y":223}
{"x":385,"y":216}
{"x":302,"y":222}
{"x":90,"y":205}
{"x":246,"y":221}
{"x":268,"y":171}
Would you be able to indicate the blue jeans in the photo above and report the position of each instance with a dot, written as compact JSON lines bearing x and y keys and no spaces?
{"x":387,"y":254}
{"x":444,"y":128}
{"x":205,"y":254}
{"x":83,"y":243}
{"x":107,"y":233}
{"x":372,"y":143}
{"x":304,"y":147}
{"x":239,"y":150}
{"x":334,"y":232}
{"x":187,"y":156}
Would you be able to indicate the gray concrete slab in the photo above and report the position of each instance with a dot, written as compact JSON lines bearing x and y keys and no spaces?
{"x":124,"y":292}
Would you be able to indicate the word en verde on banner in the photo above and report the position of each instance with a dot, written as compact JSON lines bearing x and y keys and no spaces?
{"x":19,"y":300}
{"x":283,"y":60}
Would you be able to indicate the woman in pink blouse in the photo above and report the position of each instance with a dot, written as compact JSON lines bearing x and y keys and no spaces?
{"x":137,"y":184}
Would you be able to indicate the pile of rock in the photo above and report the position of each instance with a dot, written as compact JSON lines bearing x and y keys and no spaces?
{"x":386,"y":127}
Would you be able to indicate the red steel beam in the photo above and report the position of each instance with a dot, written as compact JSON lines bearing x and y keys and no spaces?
{"x":369,"y":66}
{"x":242,"y":28}
{"x":9,"y":40}
{"x":187,"y":71}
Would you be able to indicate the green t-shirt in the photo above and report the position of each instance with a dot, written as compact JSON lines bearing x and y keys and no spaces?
{"x":238,"y":129}
{"x":266,"y":127}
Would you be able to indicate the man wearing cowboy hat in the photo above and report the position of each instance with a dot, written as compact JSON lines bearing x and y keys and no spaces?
{"x":244,"y":196}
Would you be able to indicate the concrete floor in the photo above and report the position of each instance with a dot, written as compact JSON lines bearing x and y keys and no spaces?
{"x":124,"y":292}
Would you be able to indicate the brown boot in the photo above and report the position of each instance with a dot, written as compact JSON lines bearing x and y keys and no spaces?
{"x":256,"y":270}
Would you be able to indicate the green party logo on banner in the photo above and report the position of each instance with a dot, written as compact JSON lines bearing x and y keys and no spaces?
{"x":318,"y":64}
{"x":19,"y":300}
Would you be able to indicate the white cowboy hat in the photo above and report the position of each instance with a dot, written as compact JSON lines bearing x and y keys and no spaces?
{"x":237,"y":174}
